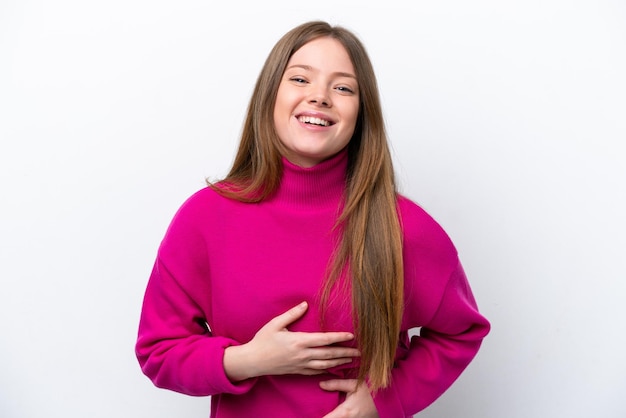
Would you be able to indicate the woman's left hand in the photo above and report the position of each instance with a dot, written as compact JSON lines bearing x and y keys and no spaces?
{"x":358,"y":403}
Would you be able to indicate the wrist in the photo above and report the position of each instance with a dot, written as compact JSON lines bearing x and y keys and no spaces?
{"x":238,"y":363}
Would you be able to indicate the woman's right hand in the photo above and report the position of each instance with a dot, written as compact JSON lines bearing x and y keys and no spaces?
{"x":275,"y":350}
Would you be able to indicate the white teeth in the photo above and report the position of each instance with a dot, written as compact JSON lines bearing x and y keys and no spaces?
{"x":313,"y":121}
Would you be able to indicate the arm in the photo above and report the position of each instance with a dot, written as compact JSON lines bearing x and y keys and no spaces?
{"x":436,"y":358}
{"x":177,"y":351}
{"x":186,"y":358}
{"x":174,"y":348}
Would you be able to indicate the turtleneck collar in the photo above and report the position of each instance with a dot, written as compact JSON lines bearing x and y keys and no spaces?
{"x":318,"y":187}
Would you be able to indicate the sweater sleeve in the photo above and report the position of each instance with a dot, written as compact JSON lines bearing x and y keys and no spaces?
{"x":436,"y":358}
{"x":175,"y":347}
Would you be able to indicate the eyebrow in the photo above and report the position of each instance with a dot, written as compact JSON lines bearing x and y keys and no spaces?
{"x":309,"y":68}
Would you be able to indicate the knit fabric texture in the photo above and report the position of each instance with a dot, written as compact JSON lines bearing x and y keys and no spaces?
{"x":225,"y":268}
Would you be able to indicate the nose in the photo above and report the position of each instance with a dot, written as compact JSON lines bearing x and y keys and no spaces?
{"x":319,"y":97}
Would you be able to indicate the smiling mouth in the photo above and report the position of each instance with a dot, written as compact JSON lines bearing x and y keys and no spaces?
{"x":314,"y":121}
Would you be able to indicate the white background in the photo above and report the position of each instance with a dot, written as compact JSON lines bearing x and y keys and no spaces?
{"x":507,"y":120}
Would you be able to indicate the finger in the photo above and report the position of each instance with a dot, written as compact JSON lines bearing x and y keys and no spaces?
{"x":339,"y":385}
{"x":327,"y":364}
{"x":331,"y":353}
{"x":293,"y":314}
{"x":321,"y":339}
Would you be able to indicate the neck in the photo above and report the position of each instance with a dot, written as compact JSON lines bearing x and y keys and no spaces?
{"x":317,"y":187}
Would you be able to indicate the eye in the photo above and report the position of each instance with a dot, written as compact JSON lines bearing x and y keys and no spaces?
{"x":344,"y":89}
{"x":298,"y":80}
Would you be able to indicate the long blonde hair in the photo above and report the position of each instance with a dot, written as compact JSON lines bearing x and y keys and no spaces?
{"x":370,"y":249}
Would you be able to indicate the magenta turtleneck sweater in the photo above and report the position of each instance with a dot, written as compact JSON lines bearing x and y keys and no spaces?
{"x":234,"y":266}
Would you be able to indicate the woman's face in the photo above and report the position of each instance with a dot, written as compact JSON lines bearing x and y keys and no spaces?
{"x":317,"y":103}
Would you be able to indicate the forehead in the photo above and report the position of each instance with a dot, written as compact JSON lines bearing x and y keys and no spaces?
{"x":323,"y":54}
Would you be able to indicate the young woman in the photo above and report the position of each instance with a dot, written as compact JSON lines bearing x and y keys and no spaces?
{"x":289,"y":288}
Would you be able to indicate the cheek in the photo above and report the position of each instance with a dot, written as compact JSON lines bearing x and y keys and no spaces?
{"x":353,"y":116}
{"x":280,"y":114}
{"x":283,"y":107}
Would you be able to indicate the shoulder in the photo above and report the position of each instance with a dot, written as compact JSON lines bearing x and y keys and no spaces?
{"x":202,"y":200}
{"x":196,"y":218}
{"x":198,"y":209}
{"x":423,"y":234}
